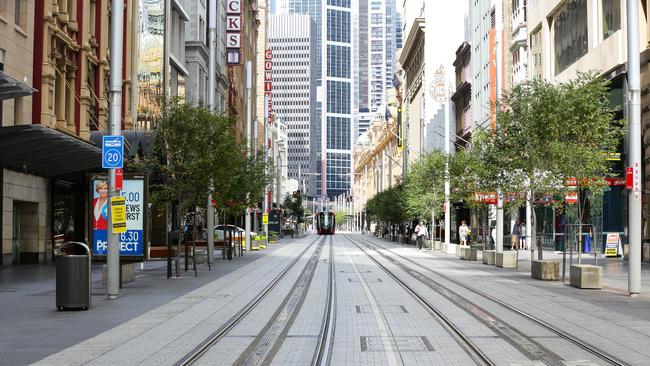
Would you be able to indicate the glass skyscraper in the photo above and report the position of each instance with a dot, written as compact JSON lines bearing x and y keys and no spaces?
{"x":336,"y":106}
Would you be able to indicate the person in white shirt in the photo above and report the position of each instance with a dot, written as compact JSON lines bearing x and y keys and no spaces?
{"x":464,"y":232}
{"x":422,"y":235}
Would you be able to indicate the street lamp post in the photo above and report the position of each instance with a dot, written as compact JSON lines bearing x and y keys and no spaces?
{"x":115,"y":111}
{"x":634,"y":146}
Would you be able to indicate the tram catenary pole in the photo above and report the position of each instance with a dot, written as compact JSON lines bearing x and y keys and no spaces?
{"x":115,"y":113}
{"x":249,"y":144}
{"x":634,"y":147}
{"x":212,"y":36}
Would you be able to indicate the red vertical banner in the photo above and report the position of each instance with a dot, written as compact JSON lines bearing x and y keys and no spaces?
{"x":268,"y":83}
{"x":629,"y":178}
{"x":118,"y":179}
{"x":493,"y":77}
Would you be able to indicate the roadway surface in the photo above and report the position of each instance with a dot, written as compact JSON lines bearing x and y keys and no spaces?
{"x":350,"y":299}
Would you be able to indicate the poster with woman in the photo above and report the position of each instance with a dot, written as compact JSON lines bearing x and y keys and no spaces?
{"x":132,"y":241}
{"x":100,"y":205}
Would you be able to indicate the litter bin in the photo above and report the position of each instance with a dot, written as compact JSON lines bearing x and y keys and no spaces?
{"x":73,"y":278}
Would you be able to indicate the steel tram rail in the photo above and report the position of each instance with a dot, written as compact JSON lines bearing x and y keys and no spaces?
{"x":269,"y":341}
{"x":194,"y":355}
{"x":605,"y":356}
{"x":326,"y":337}
{"x":463,"y":341}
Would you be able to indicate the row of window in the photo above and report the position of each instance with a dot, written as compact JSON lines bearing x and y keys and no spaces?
{"x":287,"y":40}
{"x":338,"y":26}
{"x":291,"y":63}
{"x":338,"y":97}
{"x":338,"y":133}
{"x":339,"y":3}
{"x":338,"y":61}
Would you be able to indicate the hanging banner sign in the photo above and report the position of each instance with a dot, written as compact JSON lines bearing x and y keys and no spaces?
{"x":489,"y":198}
{"x":612,"y":245}
{"x":234,"y":21}
{"x":128,"y":213}
{"x":268,"y":73}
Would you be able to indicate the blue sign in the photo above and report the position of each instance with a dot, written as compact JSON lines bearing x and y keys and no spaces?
{"x":112,"y":152}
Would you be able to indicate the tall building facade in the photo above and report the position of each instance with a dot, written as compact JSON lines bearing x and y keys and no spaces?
{"x":382,"y":39}
{"x":339,"y":107}
{"x":197,"y":55}
{"x":483,"y":19}
{"x":161,"y":67}
{"x":292,"y":39}
{"x":337,"y":33}
{"x":54,"y":72}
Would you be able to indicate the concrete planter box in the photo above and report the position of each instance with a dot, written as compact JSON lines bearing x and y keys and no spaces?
{"x":128,"y":273}
{"x":469,"y":254}
{"x":436,"y":245}
{"x":646,"y":252}
{"x":489,"y":257}
{"x":443,"y":247}
{"x":547,"y":270}
{"x":506,"y":259}
{"x":451,"y":248}
{"x":586,"y":276}
{"x":460,"y":250}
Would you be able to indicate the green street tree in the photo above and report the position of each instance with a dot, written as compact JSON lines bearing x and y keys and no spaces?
{"x":387,"y":207}
{"x":547,"y":133}
{"x":293,"y":209}
{"x":424,"y":186}
{"x":193,"y":147}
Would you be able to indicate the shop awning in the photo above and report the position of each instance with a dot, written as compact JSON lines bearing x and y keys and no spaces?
{"x":38,"y":150}
{"x":11,"y":88}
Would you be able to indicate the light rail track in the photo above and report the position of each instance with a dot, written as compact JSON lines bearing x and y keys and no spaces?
{"x":479,"y":357}
{"x":196,"y":353}
{"x":544,"y":354}
{"x":326,"y":337}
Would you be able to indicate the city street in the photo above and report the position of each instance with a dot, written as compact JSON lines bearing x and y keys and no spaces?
{"x":351,"y":299}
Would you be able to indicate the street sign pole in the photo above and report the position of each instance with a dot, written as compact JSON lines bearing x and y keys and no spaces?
{"x":212,"y":36}
{"x":115,"y":113}
{"x":634,"y":146}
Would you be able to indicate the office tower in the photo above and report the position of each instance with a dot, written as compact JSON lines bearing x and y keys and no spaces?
{"x":292,"y":41}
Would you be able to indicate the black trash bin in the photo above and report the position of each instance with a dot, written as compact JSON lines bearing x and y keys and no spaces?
{"x":73,"y":290}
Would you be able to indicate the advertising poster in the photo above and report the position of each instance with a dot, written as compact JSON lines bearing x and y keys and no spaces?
{"x":612,"y":245}
{"x":132,"y":239}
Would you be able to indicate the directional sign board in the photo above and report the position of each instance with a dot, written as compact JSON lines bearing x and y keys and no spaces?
{"x":112,"y":152}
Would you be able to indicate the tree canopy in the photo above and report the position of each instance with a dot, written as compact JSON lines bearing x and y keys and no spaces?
{"x":196,"y":152}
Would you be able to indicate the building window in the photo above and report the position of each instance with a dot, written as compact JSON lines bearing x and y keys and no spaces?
{"x":536,"y":49}
{"x":571,"y":34}
{"x":18,"y":16}
{"x":611,"y":17}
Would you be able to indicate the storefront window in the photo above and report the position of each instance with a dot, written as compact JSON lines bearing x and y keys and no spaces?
{"x":611,"y":17}
{"x":570,"y":34}
{"x":67,"y":214}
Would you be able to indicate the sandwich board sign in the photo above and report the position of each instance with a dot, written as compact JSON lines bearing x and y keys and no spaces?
{"x":613,"y":245}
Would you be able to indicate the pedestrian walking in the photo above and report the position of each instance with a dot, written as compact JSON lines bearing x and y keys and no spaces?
{"x":421,"y":235}
{"x":522,"y":236}
{"x":464,"y":231}
{"x":516,"y":233}
{"x":493,"y":235}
